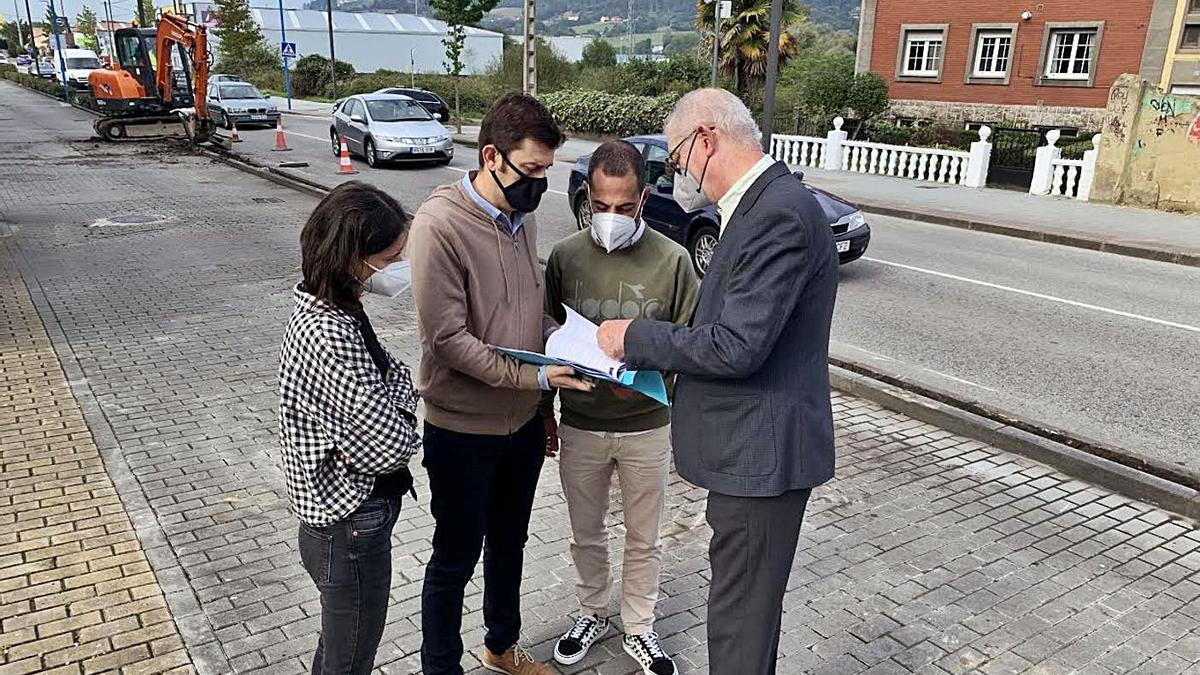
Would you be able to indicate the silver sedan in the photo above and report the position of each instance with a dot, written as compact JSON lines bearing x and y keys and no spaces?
{"x":389,"y":128}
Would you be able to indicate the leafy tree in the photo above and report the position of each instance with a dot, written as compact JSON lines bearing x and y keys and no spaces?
{"x":554,"y":71}
{"x":599,"y":53}
{"x":242,"y":48}
{"x":682,"y":44}
{"x":17,"y":37}
{"x":458,"y":14}
{"x":85,"y":24}
{"x":868,"y":96}
{"x":311,"y":76}
{"x":643,"y":47}
{"x":745,"y":37}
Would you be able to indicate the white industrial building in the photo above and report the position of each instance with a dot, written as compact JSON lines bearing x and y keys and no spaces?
{"x":368,"y":41}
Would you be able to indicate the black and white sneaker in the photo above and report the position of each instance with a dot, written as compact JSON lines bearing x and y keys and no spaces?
{"x":573,"y":646}
{"x":649,"y":654}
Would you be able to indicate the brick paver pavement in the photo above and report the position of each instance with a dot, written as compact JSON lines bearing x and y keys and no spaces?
{"x":930,"y":553}
{"x":76,"y":592}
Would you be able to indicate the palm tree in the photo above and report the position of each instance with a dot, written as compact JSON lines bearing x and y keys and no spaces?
{"x":745,"y":38}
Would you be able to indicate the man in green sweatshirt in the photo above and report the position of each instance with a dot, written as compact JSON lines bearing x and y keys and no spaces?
{"x":617,"y":268}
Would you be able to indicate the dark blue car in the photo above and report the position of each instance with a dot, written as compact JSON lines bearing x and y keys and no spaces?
{"x":698,"y":230}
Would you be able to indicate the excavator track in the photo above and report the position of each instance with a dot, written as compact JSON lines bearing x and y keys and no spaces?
{"x":153,"y":128}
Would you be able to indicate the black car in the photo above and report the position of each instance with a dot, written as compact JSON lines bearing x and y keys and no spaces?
{"x":428,"y":100}
{"x":699,"y":230}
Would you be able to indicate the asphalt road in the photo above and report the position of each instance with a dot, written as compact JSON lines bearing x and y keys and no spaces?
{"x":1102,"y":346}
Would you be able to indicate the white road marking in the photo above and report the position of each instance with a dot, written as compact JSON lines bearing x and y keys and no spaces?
{"x":297,"y":133}
{"x":883,"y":357}
{"x":1040,"y":296}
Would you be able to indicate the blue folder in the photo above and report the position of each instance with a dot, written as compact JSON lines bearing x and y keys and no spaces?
{"x":647,"y":382}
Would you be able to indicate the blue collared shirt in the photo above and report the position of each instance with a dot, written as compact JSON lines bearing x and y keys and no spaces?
{"x":511,"y":226}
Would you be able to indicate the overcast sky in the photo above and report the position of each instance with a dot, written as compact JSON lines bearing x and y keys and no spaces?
{"x":123,"y":10}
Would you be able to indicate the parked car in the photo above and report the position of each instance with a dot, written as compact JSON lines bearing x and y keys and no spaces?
{"x":222,"y":77}
{"x":428,"y":100}
{"x":242,"y":103}
{"x":389,"y":128}
{"x":80,"y":63}
{"x":46,"y":69}
{"x":699,"y":230}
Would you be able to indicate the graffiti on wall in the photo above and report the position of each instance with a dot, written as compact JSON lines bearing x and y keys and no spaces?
{"x":1193,"y":133}
{"x":1172,"y":115}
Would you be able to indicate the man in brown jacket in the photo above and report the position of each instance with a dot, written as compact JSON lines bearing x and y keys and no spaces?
{"x":478,"y":285}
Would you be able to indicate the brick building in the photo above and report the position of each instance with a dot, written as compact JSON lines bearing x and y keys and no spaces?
{"x":1043,"y":63}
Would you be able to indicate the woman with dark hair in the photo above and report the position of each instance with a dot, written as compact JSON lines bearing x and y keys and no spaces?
{"x":348,"y":421}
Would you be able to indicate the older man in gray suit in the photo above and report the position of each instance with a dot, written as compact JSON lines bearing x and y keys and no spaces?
{"x":752,"y":417}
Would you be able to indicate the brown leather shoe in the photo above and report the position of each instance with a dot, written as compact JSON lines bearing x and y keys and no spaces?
{"x":515,"y":661}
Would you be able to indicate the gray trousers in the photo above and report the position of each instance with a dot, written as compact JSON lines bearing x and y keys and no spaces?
{"x":751,"y":553}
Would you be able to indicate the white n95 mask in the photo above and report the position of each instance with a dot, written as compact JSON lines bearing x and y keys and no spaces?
{"x":614,"y":231}
{"x":687,"y":192}
{"x":390,"y":281}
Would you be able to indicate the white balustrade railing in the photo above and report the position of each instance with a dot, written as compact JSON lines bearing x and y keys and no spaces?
{"x":805,"y":151}
{"x":927,"y":164}
{"x":1055,"y":176}
{"x":1065,"y":180}
{"x":836,"y":153}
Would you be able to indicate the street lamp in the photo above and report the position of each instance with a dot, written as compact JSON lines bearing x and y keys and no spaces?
{"x":332,"y":56}
{"x":722,"y":9}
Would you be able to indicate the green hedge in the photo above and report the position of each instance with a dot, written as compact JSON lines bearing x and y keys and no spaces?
{"x":52,"y":87}
{"x":597,"y":112}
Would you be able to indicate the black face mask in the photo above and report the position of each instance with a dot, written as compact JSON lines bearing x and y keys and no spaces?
{"x":526,"y":193}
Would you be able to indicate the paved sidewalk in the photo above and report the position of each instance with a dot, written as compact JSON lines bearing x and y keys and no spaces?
{"x":930,"y":553}
{"x":304,"y":107}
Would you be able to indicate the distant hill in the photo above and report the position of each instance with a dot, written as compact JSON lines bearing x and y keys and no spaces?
{"x":648,"y":14}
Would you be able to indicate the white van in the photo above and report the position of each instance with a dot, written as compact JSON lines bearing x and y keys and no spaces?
{"x":80,"y":63}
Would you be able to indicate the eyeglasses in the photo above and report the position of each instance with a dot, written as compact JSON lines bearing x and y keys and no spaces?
{"x":673,"y":157}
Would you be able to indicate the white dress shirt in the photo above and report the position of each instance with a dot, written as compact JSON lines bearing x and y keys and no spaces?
{"x":729,"y":203}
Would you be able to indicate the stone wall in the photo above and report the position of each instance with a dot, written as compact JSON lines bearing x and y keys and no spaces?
{"x":1086,"y":119}
{"x":1150,"y":150}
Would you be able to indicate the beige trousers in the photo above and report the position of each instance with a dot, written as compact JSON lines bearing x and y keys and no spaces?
{"x":642,"y":462}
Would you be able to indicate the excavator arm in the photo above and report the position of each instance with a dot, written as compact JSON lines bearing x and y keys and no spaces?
{"x":176,"y":30}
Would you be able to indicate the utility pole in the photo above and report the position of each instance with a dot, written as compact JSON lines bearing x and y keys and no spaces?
{"x":141,"y":13}
{"x":529,"y":71}
{"x":59,"y":44}
{"x":768,"y":122}
{"x":629,"y":29}
{"x":332,"y":55}
{"x":37,"y":63}
{"x":112,"y":36}
{"x":20,"y":35}
{"x":287,"y":74}
{"x":412,"y":68}
{"x":716,"y":40}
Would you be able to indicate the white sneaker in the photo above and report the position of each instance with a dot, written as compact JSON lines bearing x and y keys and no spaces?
{"x":573,"y":646}
{"x":646,"y":650}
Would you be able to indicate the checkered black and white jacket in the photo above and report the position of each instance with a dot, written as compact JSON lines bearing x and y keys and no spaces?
{"x":340,"y":423}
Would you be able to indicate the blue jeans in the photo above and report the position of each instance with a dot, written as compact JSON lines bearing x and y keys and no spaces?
{"x":481,"y":491}
{"x":350,"y":561}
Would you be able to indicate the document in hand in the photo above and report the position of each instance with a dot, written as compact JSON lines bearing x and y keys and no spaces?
{"x":575,"y":345}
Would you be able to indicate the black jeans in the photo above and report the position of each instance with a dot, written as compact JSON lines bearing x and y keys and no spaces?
{"x":481,"y":491}
{"x":350,"y":561}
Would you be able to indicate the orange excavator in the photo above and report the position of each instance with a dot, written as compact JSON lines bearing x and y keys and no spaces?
{"x":158,"y":79}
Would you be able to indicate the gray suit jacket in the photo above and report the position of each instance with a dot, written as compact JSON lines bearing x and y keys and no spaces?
{"x":752,"y":416}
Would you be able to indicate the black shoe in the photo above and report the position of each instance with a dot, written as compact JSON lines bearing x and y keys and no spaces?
{"x":646,"y":650}
{"x":573,"y":646}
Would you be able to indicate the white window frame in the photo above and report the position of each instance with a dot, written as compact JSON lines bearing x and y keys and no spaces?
{"x":1072,"y":59}
{"x":928,"y":37}
{"x":1004,"y":37}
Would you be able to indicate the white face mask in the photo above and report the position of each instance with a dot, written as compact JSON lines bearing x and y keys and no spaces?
{"x":613,"y":231}
{"x":687,"y":190}
{"x":390,"y":281}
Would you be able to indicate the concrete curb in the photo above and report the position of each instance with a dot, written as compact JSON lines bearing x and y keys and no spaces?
{"x":1078,"y":463}
{"x":277,"y":176}
{"x":1160,"y":254}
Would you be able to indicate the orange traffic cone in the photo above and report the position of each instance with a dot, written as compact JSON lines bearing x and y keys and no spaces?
{"x":345,"y":166}
{"x":233,"y":135}
{"x":280,"y":140}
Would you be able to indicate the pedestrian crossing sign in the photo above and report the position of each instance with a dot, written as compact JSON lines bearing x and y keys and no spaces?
{"x":287,"y":50}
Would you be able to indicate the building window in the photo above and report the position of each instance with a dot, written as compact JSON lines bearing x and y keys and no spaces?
{"x":1194,"y":8}
{"x":1191,"y":37}
{"x":1071,"y":54}
{"x":993,"y":53}
{"x":923,"y":53}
